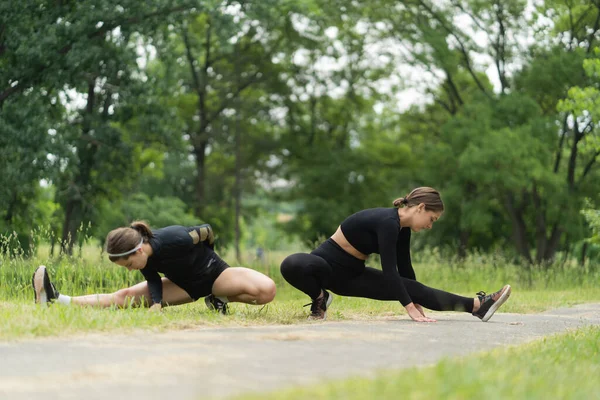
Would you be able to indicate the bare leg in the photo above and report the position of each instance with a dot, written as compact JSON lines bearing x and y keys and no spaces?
{"x":244,"y":285}
{"x":136,"y":295}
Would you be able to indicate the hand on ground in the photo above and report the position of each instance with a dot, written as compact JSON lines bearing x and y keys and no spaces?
{"x":415,"y":311}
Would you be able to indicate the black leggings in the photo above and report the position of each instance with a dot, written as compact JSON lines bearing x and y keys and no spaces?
{"x":330,"y":267}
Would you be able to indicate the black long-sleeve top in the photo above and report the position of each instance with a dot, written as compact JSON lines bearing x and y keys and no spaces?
{"x":377,"y":230}
{"x":176,"y":250}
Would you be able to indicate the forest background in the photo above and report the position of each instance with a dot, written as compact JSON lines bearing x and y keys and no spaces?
{"x":274,"y":120}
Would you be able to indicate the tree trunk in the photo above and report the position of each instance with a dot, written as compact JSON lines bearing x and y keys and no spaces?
{"x":540,"y":227}
{"x":238,"y":168}
{"x":200,"y":137}
{"x":11,"y":208}
{"x":200,"y":154}
{"x":584,"y":249}
{"x":552,"y":244}
{"x":463,"y":243}
{"x":519,"y":228}
{"x":73,"y":215}
{"x":86,"y":152}
{"x":238,"y":190}
{"x":577,"y":135}
{"x":74,"y":210}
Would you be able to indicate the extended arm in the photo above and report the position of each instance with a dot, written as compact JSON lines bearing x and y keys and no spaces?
{"x":387,"y":237}
{"x":404,"y":262}
{"x":154,"y":285}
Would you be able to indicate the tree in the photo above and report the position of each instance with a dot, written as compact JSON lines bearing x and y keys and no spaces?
{"x":499,"y":147}
{"x":338,"y":155}
{"x":47,"y":50}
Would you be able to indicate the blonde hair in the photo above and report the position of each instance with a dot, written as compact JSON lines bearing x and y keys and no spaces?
{"x":426,"y":195}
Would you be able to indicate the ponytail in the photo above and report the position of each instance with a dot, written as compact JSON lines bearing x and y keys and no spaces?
{"x":400,"y":202}
{"x":143,"y":228}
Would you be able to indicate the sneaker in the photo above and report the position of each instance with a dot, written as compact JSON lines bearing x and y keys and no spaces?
{"x":318,"y":308}
{"x":44,"y":290}
{"x":215,"y":304}
{"x":491,"y":302}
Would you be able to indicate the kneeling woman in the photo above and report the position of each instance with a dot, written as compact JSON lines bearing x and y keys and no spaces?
{"x":339,"y":263}
{"x":186,"y":258}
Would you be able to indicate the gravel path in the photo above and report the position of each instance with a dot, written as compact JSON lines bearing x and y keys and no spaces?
{"x":220,"y":362}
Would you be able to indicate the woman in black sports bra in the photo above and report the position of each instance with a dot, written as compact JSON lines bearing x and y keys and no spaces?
{"x":190,"y":266}
{"x":339,"y":263}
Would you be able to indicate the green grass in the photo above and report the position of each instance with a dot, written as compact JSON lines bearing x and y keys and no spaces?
{"x":564,"y":366}
{"x":22,"y":319}
{"x":533,"y":291}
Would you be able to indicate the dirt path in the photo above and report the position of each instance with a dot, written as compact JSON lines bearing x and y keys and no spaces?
{"x":216,"y":363}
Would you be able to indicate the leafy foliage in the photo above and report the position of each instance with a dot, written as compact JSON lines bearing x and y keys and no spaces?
{"x":231,"y":111}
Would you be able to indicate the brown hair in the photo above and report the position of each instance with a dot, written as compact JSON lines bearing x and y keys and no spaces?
{"x":426,"y":195}
{"x":121,"y":240}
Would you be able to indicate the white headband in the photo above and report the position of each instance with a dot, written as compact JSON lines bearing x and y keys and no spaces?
{"x":136,"y":248}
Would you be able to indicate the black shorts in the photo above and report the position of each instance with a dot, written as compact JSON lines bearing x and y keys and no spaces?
{"x":205,"y":274}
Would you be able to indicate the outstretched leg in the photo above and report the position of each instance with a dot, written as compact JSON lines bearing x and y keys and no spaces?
{"x":372,"y":284}
{"x":136,"y":295}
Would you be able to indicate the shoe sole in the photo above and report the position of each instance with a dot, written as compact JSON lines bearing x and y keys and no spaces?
{"x":497,"y":304}
{"x":38,"y":284}
{"x":329,"y":301}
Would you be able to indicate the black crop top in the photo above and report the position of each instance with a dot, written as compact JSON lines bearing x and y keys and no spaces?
{"x":175,"y":251}
{"x":377,"y":230}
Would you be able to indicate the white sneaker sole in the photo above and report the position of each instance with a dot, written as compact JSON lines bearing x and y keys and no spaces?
{"x":329,"y":301}
{"x":38,"y":283}
{"x":497,"y":304}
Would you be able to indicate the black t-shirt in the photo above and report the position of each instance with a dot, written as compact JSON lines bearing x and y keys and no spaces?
{"x":176,"y":251}
{"x":377,"y":230}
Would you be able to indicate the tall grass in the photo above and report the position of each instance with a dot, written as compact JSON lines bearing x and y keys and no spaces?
{"x":480,"y":270}
{"x":90,"y":271}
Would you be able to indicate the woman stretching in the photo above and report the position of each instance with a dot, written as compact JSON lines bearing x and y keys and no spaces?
{"x":184,"y":255}
{"x":339,"y":263}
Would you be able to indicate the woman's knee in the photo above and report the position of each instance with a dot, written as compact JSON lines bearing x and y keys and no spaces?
{"x":267,"y":292}
{"x":131,"y":296}
{"x":289,"y":263}
{"x":292,"y":265}
{"x":123,"y":297}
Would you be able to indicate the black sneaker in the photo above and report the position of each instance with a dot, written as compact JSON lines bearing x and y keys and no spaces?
{"x":44,"y":290}
{"x":491,"y":302}
{"x":318,"y":308}
{"x":215,"y":304}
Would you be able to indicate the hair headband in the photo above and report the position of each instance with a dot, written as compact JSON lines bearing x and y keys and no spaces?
{"x":136,"y":248}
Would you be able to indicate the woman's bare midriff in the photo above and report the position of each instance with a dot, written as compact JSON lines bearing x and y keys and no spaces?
{"x":341,"y":240}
